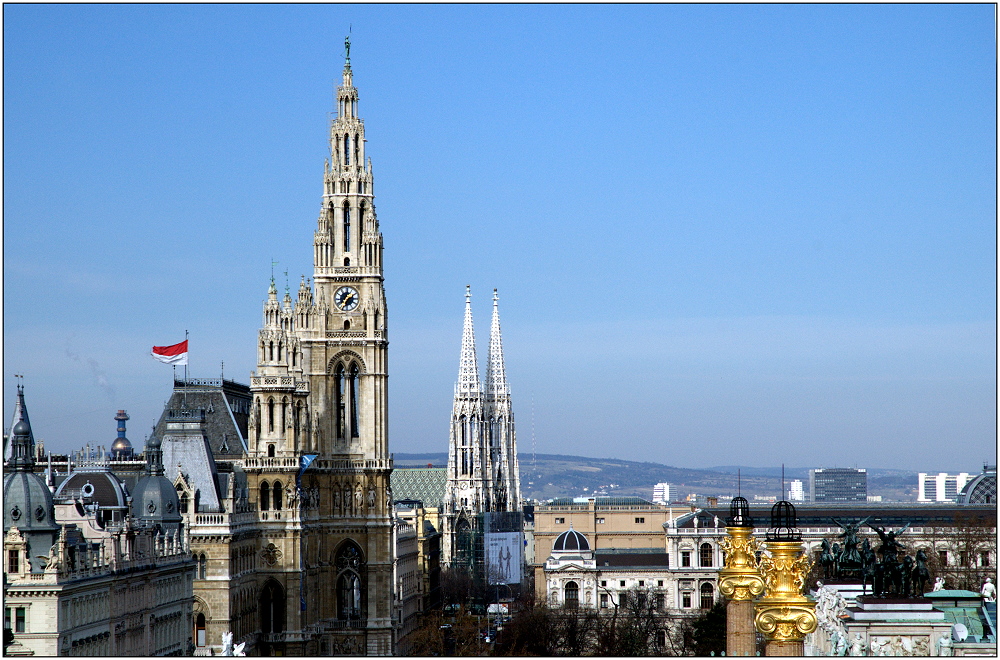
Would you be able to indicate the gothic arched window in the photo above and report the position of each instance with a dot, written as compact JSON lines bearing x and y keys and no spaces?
{"x":277,"y":495}
{"x":272,"y":608}
{"x":338,"y":401}
{"x":347,"y":150}
{"x":284,"y":412}
{"x":355,"y":378}
{"x":347,"y":227}
{"x":202,"y":567}
{"x":199,"y":630}
{"x":705,"y":555}
{"x":357,"y":149}
{"x":350,"y":583}
{"x":270,"y":415}
{"x":265,"y":496}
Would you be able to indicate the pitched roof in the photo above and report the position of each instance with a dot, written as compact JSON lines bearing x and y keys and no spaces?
{"x":424,"y":484}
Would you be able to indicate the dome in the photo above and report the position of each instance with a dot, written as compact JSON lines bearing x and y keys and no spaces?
{"x":570,"y":541}
{"x":154,"y":499}
{"x":153,"y":442}
{"x":981,"y":490}
{"x":21,"y":428}
{"x":27,"y":504}
{"x":101,"y":488}
{"x":121,"y":446}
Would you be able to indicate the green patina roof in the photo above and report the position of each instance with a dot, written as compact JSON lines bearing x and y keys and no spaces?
{"x":424,"y":484}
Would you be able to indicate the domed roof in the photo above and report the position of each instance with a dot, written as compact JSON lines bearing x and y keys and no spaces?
{"x":154,"y":499}
{"x":21,"y":428}
{"x":102,"y":488}
{"x":27,"y":503}
{"x":121,"y":445}
{"x":570,"y":541}
{"x":982,"y":489}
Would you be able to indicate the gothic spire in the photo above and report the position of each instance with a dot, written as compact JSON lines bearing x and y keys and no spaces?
{"x":496,"y":375}
{"x":468,"y":370}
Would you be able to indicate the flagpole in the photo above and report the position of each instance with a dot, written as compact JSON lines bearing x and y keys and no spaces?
{"x":186,"y":372}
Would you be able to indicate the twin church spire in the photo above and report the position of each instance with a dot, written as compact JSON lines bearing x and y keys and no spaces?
{"x":483,"y":471}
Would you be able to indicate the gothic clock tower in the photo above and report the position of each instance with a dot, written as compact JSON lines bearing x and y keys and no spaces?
{"x":319,"y":460}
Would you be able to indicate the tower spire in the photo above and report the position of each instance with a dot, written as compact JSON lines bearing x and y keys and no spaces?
{"x":496,"y":375}
{"x":22,"y":442}
{"x":468,"y":370}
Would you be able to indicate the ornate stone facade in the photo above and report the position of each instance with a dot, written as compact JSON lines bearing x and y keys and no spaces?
{"x":483,"y":473}
{"x":320,"y":392}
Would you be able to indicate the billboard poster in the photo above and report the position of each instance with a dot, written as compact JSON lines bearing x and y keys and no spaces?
{"x":503,"y":557}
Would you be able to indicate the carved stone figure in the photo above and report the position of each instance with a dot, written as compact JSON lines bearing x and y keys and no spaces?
{"x":989,"y":591}
{"x":371,"y":497}
{"x":944,"y":646}
{"x":938,"y":584}
{"x":858,"y":646}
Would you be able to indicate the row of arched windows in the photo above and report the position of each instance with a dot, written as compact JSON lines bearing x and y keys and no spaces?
{"x":202,"y":565}
{"x":347,"y":150}
{"x":266,"y":501}
{"x":268,"y":353}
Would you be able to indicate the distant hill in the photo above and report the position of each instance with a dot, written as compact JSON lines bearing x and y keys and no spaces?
{"x":557,"y":475}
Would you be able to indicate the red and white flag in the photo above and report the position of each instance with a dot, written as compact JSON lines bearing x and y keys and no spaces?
{"x":176,"y":354}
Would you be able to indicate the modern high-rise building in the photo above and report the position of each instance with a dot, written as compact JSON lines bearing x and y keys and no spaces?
{"x":796,"y":493}
{"x":662,"y":493}
{"x":483,"y":474}
{"x":941,"y":487}
{"x":838,"y":485}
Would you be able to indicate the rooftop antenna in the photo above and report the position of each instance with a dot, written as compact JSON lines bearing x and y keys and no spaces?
{"x":739,"y":488}
{"x":782,"y":481}
{"x":273,"y":264}
{"x":222,"y":372}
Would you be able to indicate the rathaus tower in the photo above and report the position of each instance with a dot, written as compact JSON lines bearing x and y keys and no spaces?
{"x":319,"y":463}
{"x":483,"y":473}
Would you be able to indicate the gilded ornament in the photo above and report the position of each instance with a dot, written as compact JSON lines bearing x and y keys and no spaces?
{"x":740,"y":579}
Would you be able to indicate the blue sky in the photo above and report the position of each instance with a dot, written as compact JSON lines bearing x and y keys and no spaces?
{"x":716,"y":229}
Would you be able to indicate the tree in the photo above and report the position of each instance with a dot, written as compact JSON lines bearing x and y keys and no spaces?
{"x":706,"y":635}
{"x":964,"y":553}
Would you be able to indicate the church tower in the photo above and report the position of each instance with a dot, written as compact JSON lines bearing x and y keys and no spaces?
{"x":319,"y":463}
{"x":482,"y":450}
{"x":500,"y":424}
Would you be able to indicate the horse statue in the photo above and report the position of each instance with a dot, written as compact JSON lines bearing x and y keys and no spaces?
{"x":849,"y":559}
{"x":892,"y":567}
{"x":920,"y":573}
{"x":828,"y":560}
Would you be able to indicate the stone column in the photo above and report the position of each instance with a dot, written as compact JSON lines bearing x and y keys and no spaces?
{"x":740,"y":581}
{"x":784,"y":615}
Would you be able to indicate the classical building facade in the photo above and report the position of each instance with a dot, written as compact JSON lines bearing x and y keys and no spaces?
{"x":318,"y":462}
{"x":91,"y":569}
{"x":483,"y":474}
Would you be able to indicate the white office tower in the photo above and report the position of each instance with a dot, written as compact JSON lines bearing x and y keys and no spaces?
{"x":941,"y":487}
{"x":796,"y":493}
{"x":662,"y":493}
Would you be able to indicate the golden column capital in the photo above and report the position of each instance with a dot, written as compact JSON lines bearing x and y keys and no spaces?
{"x":784,"y":614}
{"x":740,"y":579}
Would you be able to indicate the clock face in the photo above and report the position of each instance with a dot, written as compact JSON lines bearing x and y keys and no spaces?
{"x":346,"y":298}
